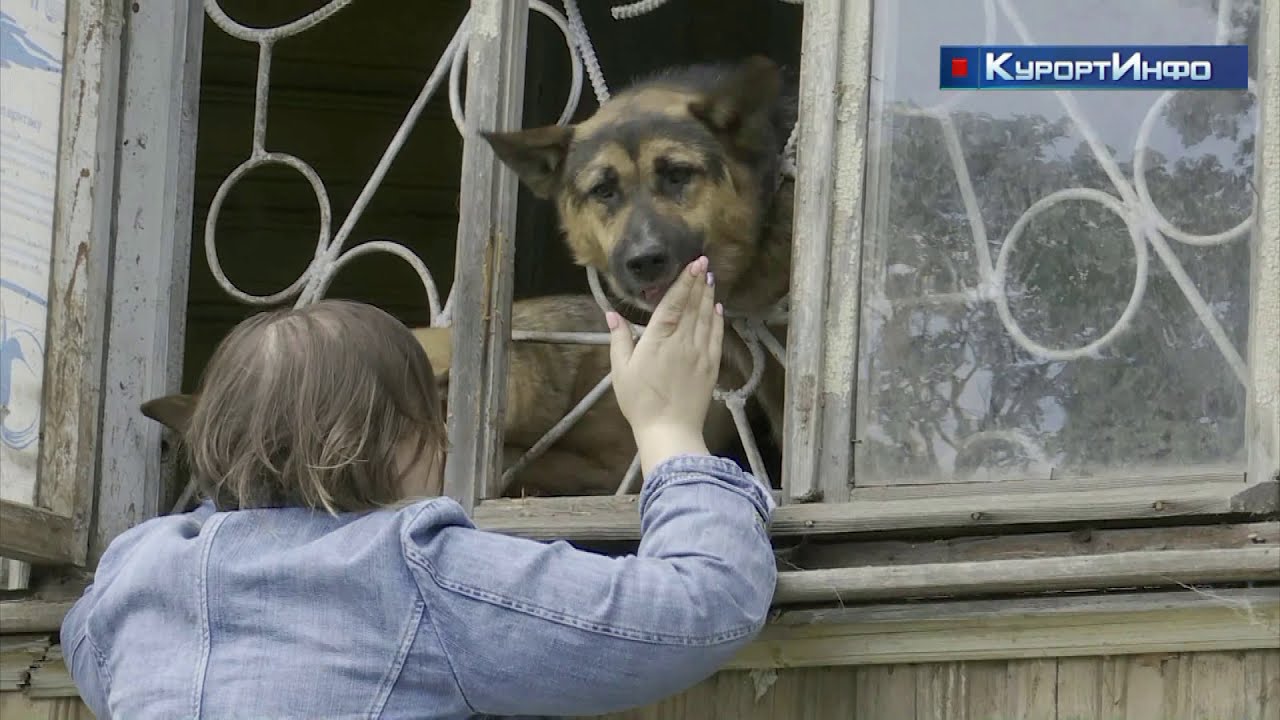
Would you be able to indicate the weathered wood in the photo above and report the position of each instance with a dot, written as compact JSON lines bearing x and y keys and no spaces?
{"x":939,"y":491}
{"x":813,"y":556}
{"x":1262,"y":681}
{"x":80,"y":269}
{"x":42,"y":607}
{"x":1261,"y":498}
{"x":1023,"y":628}
{"x":885,"y":691}
{"x":1113,"y":570}
{"x":50,"y":677}
{"x":1263,"y":411}
{"x":815,"y":174}
{"x":842,"y":308}
{"x":1139,"y":682}
{"x":1042,"y":606}
{"x":1030,"y":690}
{"x":17,"y":654}
{"x":20,"y":706}
{"x":939,"y":688}
{"x":32,"y":615}
{"x":1078,"y":687}
{"x":616,"y":518}
{"x":1215,"y":685}
{"x":483,"y":269}
{"x":1146,"y":686}
{"x":1090,"y":688}
{"x":158,"y":122}
{"x":34,"y":535}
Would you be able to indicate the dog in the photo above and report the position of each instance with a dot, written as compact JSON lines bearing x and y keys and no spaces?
{"x":544,"y":383}
{"x":680,"y":164}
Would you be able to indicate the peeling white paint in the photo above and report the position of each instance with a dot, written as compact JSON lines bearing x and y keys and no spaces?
{"x":763,"y":680}
{"x":1264,"y":332}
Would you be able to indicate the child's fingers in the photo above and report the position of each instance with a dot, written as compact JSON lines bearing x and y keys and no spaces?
{"x":673,"y":303}
{"x":716,"y":340}
{"x":706,"y":313}
{"x":693,"y":304}
{"x":621,"y":342}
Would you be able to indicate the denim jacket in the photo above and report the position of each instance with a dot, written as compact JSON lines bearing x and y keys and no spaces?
{"x":414,"y":613}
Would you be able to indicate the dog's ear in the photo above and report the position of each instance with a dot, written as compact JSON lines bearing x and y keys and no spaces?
{"x":536,"y":156}
{"x":172,"y":411}
{"x":741,"y":101}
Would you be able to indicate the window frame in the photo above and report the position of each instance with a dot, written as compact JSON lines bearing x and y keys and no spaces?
{"x":55,"y":529}
{"x":119,"y":274}
{"x":822,"y":351}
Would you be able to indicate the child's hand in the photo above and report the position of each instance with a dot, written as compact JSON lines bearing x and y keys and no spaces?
{"x":663,"y":382}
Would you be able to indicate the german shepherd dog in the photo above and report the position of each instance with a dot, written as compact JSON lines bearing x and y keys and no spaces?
{"x":680,"y":164}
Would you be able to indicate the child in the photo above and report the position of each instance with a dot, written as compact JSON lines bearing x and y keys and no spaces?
{"x":309,"y":587}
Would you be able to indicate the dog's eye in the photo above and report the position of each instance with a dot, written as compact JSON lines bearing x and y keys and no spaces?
{"x":604,"y":191}
{"x":675,"y":177}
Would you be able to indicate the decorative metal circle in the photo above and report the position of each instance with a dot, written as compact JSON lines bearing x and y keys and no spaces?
{"x":1140,"y":148}
{"x":1002,"y":265}
{"x":215,"y":207}
{"x":271,"y":34}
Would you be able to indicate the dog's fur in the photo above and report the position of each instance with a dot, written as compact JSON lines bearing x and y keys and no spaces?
{"x":544,"y":382}
{"x":678,"y":165}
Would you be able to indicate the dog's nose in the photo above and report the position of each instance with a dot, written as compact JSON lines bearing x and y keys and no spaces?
{"x":648,"y":265}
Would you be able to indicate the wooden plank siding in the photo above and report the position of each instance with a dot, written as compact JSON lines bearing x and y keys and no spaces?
{"x":1226,"y":685}
{"x":1165,"y":686}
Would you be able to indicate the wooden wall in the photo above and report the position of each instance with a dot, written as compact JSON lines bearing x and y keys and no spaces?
{"x":1184,"y":686}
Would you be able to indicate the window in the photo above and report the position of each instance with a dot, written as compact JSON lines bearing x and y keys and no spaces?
{"x":1131,"y":373}
{"x":125,"y":108}
{"x":50,"y":285}
{"x":1054,"y":286}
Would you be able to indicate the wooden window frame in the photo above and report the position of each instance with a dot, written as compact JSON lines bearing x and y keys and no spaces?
{"x":817,"y":497}
{"x":55,"y":530}
{"x":117,"y":288}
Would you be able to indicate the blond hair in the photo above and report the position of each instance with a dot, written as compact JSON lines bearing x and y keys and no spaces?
{"x":312,"y":407}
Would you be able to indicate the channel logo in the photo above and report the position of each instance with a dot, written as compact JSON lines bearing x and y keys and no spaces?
{"x":1093,"y":67}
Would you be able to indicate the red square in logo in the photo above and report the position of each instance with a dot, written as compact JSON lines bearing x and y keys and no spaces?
{"x":959,"y":67}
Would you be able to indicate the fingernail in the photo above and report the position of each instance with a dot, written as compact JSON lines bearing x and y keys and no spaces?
{"x":711,"y":278}
{"x":611,"y":319}
{"x":719,"y":309}
{"x":693,"y":267}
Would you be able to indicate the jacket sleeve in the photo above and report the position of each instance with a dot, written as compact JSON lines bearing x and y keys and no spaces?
{"x":82,"y":658}
{"x":545,"y":629}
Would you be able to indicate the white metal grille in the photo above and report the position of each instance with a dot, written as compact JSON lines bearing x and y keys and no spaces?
{"x":330,"y":256}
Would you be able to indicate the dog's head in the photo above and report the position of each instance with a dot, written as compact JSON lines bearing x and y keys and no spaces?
{"x":677,"y":166}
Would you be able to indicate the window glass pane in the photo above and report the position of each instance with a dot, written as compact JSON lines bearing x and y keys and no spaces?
{"x":1014,"y":325}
